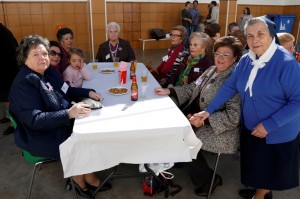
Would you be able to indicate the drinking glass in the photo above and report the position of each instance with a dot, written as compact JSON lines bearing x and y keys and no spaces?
{"x":144,"y":76}
{"x":116,"y":61}
{"x":94,"y":64}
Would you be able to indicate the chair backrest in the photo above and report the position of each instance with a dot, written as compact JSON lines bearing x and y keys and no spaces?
{"x":28,"y":157}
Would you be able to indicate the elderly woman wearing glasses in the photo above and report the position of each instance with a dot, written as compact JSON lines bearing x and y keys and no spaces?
{"x":115,"y":47}
{"x":219,"y":134}
{"x":287,"y":41}
{"x":195,"y":63}
{"x":172,"y":59}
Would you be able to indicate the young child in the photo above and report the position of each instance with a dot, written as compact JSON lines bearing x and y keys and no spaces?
{"x":76,"y":72}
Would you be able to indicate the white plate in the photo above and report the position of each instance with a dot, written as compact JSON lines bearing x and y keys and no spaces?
{"x":107,"y":70}
{"x":118,"y":88}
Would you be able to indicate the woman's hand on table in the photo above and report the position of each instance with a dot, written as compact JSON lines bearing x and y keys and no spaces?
{"x":162,"y":91}
{"x":79,"y":110}
{"x":95,"y":96}
{"x":259,"y":131}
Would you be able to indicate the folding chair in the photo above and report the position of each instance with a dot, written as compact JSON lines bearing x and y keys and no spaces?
{"x":37,"y":161}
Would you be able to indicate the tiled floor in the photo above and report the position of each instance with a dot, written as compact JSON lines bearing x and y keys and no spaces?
{"x":15,"y":173}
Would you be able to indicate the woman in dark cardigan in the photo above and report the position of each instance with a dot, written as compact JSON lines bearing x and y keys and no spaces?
{"x":43,"y":112}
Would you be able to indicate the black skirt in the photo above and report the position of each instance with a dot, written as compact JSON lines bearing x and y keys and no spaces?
{"x":269,"y":166}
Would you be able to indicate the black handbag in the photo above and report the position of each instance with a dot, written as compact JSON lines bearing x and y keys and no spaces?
{"x":157,"y":34}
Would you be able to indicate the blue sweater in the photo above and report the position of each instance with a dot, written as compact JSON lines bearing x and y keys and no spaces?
{"x":276,"y":96}
{"x":40,"y":110}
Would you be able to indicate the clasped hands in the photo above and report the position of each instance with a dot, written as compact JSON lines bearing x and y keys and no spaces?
{"x":197,"y":119}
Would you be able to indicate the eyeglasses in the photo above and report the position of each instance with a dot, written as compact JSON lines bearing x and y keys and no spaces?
{"x":224,"y":55}
{"x":174,"y":35}
{"x":53,"y":53}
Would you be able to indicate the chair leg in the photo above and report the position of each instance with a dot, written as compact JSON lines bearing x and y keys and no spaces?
{"x":213,"y":177}
{"x":32,"y":178}
{"x":73,"y":187}
{"x":37,"y":165}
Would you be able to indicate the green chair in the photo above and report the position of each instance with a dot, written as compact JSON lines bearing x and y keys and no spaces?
{"x":37,"y":161}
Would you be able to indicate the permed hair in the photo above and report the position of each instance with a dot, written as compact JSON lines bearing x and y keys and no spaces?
{"x":27,"y":43}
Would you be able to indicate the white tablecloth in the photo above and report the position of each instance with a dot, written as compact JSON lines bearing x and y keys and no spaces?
{"x":151,"y":130}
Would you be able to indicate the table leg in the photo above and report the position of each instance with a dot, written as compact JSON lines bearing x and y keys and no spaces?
{"x":104,"y":181}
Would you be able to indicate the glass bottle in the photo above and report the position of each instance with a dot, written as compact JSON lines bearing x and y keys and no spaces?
{"x":134,"y":90}
{"x":132,"y":69}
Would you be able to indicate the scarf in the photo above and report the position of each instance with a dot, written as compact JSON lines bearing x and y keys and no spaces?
{"x":183,"y":77}
{"x":259,"y":63}
{"x":164,"y":68}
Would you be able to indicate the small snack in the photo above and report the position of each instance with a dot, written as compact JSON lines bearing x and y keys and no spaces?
{"x":107,"y":70}
{"x":117,"y":91}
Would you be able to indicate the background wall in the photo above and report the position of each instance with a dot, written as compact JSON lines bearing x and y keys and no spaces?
{"x":136,"y":18}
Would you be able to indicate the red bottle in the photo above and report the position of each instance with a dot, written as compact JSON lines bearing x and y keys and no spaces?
{"x":134,"y":90}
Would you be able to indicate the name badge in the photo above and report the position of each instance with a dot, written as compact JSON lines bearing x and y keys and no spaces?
{"x":107,"y":56}
{"x":196,"y":70}
{"x":65,"y":87}
{"x":165,"y":58}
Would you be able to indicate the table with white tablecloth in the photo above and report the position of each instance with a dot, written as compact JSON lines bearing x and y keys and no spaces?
{"x":150,"y":130}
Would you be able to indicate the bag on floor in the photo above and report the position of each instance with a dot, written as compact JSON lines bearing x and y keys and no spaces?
{"x":152,"y":186}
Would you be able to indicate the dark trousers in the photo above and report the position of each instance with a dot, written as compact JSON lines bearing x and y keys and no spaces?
{"x":199,"y":171}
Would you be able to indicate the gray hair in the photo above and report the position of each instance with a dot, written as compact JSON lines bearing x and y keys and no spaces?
{"x":206,"y":40}
{"x":113,"y":24}
{"x":253,"y":21}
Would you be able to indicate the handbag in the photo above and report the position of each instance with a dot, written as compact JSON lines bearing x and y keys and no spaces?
{"x":153,"y":185}
{"x":157,"y":34}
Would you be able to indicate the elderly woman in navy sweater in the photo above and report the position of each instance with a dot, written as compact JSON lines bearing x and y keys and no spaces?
{"x":39,"y":101}
{"x":267,"y":79}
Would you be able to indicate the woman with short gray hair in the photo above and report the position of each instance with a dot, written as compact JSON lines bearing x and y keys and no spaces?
{"x":115,"y":47}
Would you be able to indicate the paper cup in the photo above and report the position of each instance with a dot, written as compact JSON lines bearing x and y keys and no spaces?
{"x":122,"y":77}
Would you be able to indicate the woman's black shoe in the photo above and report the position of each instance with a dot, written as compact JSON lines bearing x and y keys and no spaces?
{"x":80,"y":191}
{"x":247,"y":193}
{"x":203,"y":191}
{"x":268,"y":195}
{"x":250,"y":193}
{"x":105,"y":187}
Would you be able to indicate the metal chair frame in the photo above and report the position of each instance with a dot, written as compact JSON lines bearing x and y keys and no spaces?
{"x":37,"y":165}
{"x":214,"y":175}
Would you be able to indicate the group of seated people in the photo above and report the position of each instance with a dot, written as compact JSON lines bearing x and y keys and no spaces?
{"x":211,"y":78}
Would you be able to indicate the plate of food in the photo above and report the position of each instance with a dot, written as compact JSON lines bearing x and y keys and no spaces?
{"x":107,"y":70}
{"x":117,"y":90}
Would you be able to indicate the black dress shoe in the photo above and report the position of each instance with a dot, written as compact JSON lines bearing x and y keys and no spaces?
{"x":83,"y":192}
{"x":105,"y":187}
{"x":203,"y":191}
{"x":8,"y":131}
{"x":250,"y":193}
{"x":247,"y":193}
{"x":268,"y":195}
